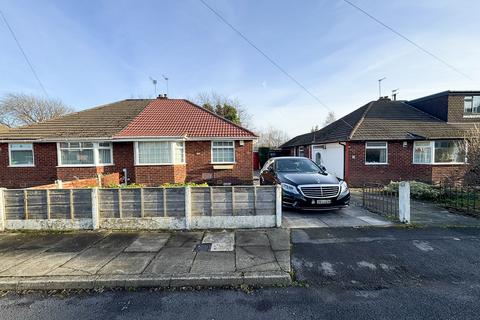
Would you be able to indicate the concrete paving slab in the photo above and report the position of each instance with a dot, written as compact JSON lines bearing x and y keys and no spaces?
{"x":92,"y":259}
{"x":251,"y":238}
{"x":12,"y":258}
{"x":42,"y":241}
{"x":116,"y":240}
{"x":148,"y":242}
{"x":302,"y":222}
{"x":77,"y":242}
{"x":374,"y":221}
{"x":221,"y":241}
{"x":213,"y":262}
{"x":185,"y":239}
{"x":172,"y":260}
{"x":252,"y":258}
{"x":39,"y":265}
{"x":279,"y":239}
{"x":128,"y":263}
{"x":283,"y":259}
{"x":66,"y":271}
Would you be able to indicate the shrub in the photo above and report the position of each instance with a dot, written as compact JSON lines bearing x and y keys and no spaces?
{"x":418,"y":190}
{"x":122,"y":186}
{"x":185,"y":184}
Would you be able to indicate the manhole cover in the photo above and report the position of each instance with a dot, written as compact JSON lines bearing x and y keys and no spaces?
{"x":203,"y":247}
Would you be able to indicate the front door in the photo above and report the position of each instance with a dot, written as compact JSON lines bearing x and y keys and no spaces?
{"x":317,"y":156}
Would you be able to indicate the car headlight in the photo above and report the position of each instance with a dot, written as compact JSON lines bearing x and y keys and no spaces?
{"x":289,"y":188}
{"x":343,"y":189}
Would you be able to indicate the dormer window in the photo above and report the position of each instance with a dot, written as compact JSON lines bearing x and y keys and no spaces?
{"x":472,"y":106}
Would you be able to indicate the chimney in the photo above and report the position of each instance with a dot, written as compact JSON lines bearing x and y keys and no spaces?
{"x":384,"y":98}
{"x":162,"y":96}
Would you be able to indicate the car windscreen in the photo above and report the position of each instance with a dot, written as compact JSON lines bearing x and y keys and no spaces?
{"x":296,"y":165}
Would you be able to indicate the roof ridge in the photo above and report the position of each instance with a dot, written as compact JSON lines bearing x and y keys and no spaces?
{"x":362,"y":118}
{"x":220,"y":117}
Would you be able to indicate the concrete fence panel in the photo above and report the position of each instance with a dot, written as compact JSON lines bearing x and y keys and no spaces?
{"x":141,"y":208}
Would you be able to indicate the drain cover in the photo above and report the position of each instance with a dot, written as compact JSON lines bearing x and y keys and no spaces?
{"x":203,"y":247}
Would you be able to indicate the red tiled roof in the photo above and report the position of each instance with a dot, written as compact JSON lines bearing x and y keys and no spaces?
{"x":178,"y":117}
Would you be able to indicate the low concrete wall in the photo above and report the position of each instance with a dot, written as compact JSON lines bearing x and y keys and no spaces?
{"x":141,"y":208}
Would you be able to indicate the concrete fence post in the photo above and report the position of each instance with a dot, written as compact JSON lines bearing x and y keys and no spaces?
{"x":188,"y":207}
{"x":2,"y":210}
{"x":95,"y":209}
{"x":404,"y":202}
{"x":278,"y":205}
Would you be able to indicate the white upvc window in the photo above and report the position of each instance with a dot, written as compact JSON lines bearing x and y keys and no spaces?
{"x":159,"y":152}
{"x":223,"y":151}
{"x":84,"y":154}
{"x":376,"y":152}
{"x":438,"y":152}
{"x":472,"y":106}
{"x":21,"y":155}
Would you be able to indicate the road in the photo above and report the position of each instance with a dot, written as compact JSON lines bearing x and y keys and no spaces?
{"x":352,"y":273}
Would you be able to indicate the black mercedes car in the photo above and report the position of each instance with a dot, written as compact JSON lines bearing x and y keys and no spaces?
{"x":305,"y":185}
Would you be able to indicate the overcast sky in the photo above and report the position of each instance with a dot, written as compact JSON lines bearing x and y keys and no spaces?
{"x":92,"y":52}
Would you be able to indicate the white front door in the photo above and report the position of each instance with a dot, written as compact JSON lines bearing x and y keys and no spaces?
{"x":317,"y":155}
{"x":331,"y":156}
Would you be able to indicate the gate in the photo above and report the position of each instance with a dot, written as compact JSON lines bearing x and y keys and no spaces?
{"x":377,"y":198}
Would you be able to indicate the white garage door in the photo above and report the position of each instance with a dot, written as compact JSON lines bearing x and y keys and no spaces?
{"x":331,"y":156}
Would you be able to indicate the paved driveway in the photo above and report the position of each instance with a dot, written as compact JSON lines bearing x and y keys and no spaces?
{"x":353,"y":216}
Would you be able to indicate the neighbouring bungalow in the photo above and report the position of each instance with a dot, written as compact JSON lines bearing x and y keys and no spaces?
{"x":389,"y":140}
{"x":154,"y":141}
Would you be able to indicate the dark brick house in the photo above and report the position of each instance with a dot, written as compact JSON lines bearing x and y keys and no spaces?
{"x":387,"y":140}
{"x":156,"y":140}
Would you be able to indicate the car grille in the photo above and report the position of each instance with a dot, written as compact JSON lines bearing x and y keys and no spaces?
{"x":320,"y":191}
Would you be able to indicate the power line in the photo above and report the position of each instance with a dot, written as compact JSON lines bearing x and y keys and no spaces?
{"x":409,"y":40}
{"x":273,"y":62}
{"x":24,"y":54}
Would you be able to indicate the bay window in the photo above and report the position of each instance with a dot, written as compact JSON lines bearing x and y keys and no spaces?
{"x":85,"y":153}
{"x":159,"y":152}
{"x":376,"y":152}
{"x":223,"y":151}
{"x":21,"y":154}
{"x":438,"y":152}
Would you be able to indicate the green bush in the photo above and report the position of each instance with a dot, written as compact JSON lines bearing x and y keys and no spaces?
{"x":186,"y":184}
{"x":418,"y":190}
{"x":122,"y":186}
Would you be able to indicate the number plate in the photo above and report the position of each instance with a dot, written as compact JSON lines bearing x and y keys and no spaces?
{"x":321,"y":201}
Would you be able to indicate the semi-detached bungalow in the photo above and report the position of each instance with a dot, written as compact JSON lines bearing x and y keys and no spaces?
{"x":387,"y":140}
{"x":154,"y":141}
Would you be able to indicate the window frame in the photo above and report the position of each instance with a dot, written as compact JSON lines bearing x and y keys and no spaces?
{"x":472,"y":99}
{"x":10,"y":164}
{"x":301,"y":150}
{"x":380,"y":148}
{"x":172,"y":146}
{"x":432,"y":157}
{"x":225,"y":162}
{"x":96,"y":156}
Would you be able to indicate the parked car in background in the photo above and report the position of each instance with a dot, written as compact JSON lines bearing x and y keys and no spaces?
{"x":305,"y":184}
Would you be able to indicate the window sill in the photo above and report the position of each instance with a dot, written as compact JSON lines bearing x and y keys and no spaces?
{"x":158,"y":164}
{"x":442,"y":163}
{"x":471,"y":116}
{"x":221,"y":163}
{"x":22,"y":166}
{"x":85,"y":165}
{"x":376,"y":164}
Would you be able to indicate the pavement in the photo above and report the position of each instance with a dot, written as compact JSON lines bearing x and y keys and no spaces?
{"x":342,"y":273}
{"x":144,"y":259}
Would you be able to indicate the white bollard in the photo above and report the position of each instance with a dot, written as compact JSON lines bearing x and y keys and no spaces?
{"x":278,"y":205}
{"x":404,"y":201}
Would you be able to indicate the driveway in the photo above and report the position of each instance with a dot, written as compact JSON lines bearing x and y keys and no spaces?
{"x":352,"y":216}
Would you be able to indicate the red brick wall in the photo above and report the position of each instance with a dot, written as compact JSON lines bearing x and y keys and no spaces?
{"x":400,"y":167}
{"x":200,"y":169}
{"x":44,"y":172}
{"x":153,"y":176}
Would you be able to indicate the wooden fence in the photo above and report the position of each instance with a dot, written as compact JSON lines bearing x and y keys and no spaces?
{"x":141,"y":208}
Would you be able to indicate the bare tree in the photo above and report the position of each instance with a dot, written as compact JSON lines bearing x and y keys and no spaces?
{"x":17,"y":109}
{"x":330,"y":118}
{"x":229,"y":108}
{"x":471,"y":147}
{"x":272,"y":137}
